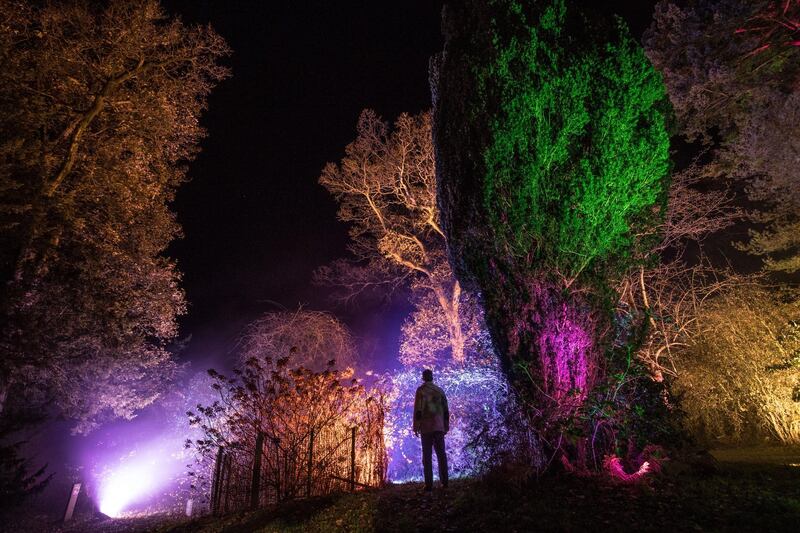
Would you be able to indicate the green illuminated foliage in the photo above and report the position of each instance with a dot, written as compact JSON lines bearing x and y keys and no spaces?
{"x":552,"y":155}
{"x":578,"y":149}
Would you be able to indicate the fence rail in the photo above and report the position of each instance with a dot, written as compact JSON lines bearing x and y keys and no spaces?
{"x":333,"y":458}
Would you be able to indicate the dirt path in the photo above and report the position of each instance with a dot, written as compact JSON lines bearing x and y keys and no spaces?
{"x":406,"y":508}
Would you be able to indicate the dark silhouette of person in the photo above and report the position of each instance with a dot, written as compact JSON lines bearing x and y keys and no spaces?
{"x":431,"y":422}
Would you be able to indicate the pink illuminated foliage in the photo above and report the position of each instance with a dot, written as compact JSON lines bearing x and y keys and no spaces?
{"x":561,"y":333}
{"x":635,"y":469}
{"x":776,"y":24}
{"x":564,"y":349}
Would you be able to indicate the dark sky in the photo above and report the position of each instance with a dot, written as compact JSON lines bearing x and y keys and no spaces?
{"x":256,"y":222}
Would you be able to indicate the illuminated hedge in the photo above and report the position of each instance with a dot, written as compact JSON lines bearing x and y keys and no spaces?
{"x":478,"y":397}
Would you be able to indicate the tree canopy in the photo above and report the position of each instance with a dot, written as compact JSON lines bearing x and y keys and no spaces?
{"x":576,"y":151}
{"x":732,"y":74}
{"x":99,"y":111}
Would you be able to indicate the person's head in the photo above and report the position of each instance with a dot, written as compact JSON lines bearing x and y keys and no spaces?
{"x":427,"y":375}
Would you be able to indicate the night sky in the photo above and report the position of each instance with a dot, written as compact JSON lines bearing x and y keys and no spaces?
{"x":256,"y":222}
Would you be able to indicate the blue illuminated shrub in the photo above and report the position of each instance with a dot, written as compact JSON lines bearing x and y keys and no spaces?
{"x":478,"y":397}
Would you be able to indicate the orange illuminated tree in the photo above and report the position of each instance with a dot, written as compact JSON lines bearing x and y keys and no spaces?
{"x":312,"y":425}
{"x":99,"y":114}
{"x":386,"y":189}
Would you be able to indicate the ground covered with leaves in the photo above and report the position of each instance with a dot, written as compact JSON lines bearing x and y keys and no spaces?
{"x":747,"y":490}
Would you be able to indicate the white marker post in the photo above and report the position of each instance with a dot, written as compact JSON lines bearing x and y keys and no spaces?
{"x":73,"y":499}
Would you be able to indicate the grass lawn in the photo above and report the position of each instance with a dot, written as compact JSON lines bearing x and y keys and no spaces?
{"x":754,"y":489}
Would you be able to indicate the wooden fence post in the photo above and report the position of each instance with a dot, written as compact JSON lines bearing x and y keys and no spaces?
{"x":310,"y":462}
{"x":73,"y":498}
{"x":226,"y":468}
{"x":277,"y":470}
{"x":353,"y":459}
{"x":255,"y":485}
{"x":215,"y":485}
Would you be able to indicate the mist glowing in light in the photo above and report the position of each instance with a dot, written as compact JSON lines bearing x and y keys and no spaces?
{"x":138,"y":478}
{"x":126,"y":486}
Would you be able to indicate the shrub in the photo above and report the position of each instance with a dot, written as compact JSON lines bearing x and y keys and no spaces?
{"x":739,"y":378}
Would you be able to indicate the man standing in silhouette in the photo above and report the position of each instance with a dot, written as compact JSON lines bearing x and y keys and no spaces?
{"x":431,"y":421}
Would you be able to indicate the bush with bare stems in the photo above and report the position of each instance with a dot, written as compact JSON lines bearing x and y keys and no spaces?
{"x":740,"y":375}
{"x":313,"y":337}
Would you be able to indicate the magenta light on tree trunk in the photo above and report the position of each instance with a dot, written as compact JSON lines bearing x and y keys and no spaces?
{"x":564,"y":348}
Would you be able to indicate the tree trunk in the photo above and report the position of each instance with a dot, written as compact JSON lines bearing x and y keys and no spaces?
{"x":551,"y":344}
{"x":5,"y":385}
{"x":457,"y":340}
{"x":450,"y":307}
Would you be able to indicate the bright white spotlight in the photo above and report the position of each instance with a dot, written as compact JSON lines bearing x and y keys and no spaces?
{"x":138,"y":478}
{"x":126,"y":485}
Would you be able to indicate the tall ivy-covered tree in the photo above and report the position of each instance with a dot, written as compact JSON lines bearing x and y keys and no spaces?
{"x":99,"y":110}
{"x":552,"y":157}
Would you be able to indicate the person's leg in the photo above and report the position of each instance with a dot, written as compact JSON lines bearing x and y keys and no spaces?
{"x":441,"y":457}
{"x":427,"y":459}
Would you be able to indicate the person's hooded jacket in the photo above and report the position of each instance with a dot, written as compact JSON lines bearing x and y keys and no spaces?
{"x":430,"y":409}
